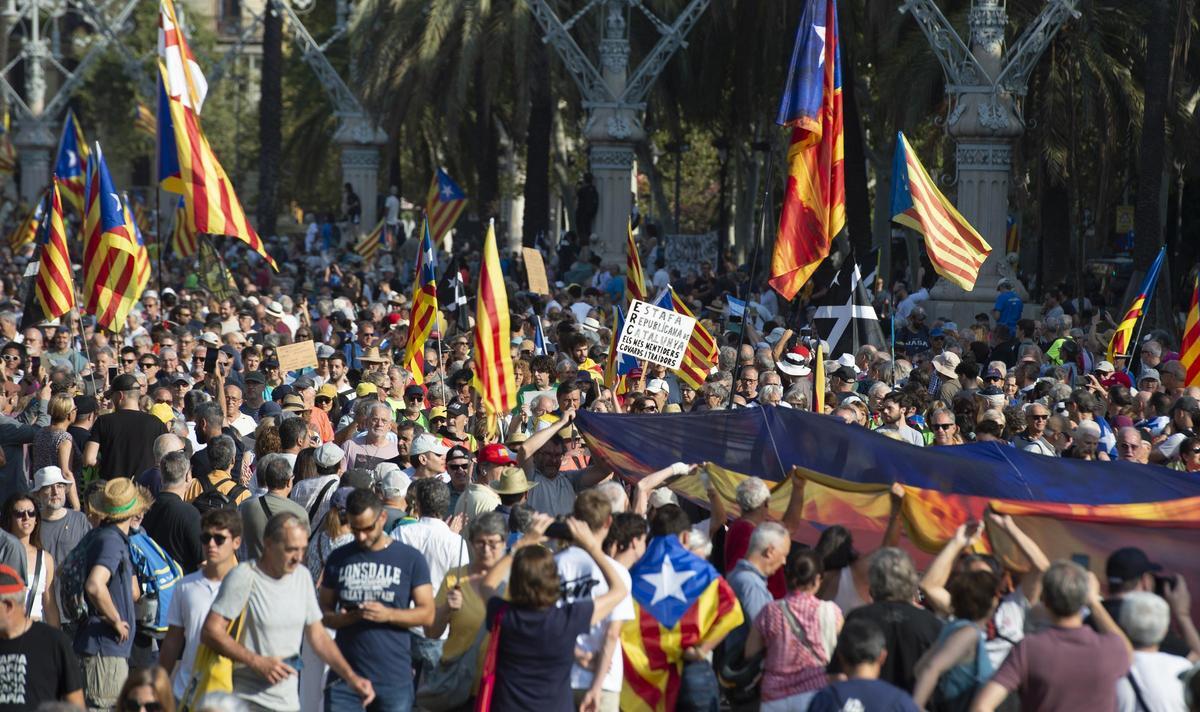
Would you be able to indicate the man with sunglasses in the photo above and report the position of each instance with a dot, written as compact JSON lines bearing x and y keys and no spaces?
{"x":220,"y":537}
{"x":1033,"y":439}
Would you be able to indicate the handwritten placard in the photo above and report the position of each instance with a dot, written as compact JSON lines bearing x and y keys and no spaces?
{"x":535,"y":271}
{"x":294,"y":357}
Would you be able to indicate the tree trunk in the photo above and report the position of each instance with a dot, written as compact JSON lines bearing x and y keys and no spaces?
{"x":1147,"y":216}
{"x":489,"y":152}
{"x":270,"y":133}
{"x":537,"y":147}
{"x":1054,"y":254}
{"x":854,"y":160}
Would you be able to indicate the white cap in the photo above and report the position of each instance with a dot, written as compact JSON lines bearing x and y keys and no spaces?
{"x":657,"y":385}
{"x":425,"y":443}
{"x":661,"y":497}
{"x":1105,"y":366}
{"x":48,"y":475}
{"x":210,"y":338}
{"x":328,"y":455}
{"x":392,"y":481}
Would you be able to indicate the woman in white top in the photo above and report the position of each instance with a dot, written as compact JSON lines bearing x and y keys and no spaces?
{"x":20,"y":518}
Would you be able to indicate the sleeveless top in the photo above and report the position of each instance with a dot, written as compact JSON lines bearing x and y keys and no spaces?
{"x":847,"y":596}
{"x":44,"y":450}
{"x":37,"y":575}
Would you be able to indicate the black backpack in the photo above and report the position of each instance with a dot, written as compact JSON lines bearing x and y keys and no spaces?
{"x":211,"y":498}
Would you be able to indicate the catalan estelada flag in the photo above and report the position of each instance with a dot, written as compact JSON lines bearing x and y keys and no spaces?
{"x":184,"y":241}
{"x":109,"y":250}
{"x":635,"y":278}
{"x":443,"y":205}
{"x":424,"y":309}
{"x":187,"y":164}
{"x":55,"y":286}
{"x":679,"y":601}
{"x":1012,"y":235}
{"x":369,"y":245}
{"x":618,"y":365}
{"x":26,"y":232}
{"x":494,"y":377}
{"x":1189,"y":350}
{"x":701,"y":355}
{"x":141,"y":255}
{"x":1121,"y":344}
{"x":814,"y":201}
{"x":70,"y":167}
{"x":956,"y":250}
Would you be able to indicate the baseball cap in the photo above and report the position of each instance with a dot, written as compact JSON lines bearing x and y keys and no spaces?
{"x":358,"y":478}
{"x":327,"y":391}
{"x":270,"y":409}
{"x":1105,"y":366}
{"x":497,"y":454}
{"x":183,"y":378}
{"x":328,"y":455}
{"x":414,"y":391}
{"x":845,"y":373}
{"x":438,"y":411}
{"x":340,"y":496}
{"x":993,"y":373}
{"x":303,"y":383}
{"x":324,"y":351}
{"x":163,"y":412}
{"x":394,"y":483}
{"x":255,"y":377}
{"x":1149,"y":374}
{"x":281,"y":392}
{"x":48,"y":475}
{"x":656,"y":385}
{"x":458,"y":451}
{"x":661,"y":497}
{"x":456,"y":408}
{"x":10,"y":581}
{"x":426,"y":443}
{"x":1127,"y":564}
{"x":366,"y":388}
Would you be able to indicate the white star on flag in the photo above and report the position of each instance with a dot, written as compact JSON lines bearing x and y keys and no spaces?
{"x":668,"y":583}
{"x":447,"y":192}
{"x":116,"y":199}
{"x":820,"y":32}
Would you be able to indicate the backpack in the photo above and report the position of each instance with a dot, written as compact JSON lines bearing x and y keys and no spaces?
{"x":211,"y":498}
{"x":157,"y":574}
{"x":71,"y":579}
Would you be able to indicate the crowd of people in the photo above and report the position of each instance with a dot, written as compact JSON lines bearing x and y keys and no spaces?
{"x":186,"y":525}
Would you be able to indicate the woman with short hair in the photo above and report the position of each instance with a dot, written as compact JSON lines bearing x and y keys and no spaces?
{"x":54,"y":446}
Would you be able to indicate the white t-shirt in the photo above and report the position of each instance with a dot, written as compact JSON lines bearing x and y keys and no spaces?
{"x":189,"y":607}
{"x":1157,"y":677}
{"x":277,"y":613}
{"x":392,"y":207}
{"x":581,"y":579}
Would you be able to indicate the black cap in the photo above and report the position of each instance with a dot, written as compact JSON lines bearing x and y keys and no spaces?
{"x":270,"y":409}
{"x":255,"y":377}
{"x":1128,"y":564}
{"x":462,"y":375}
{"x":991,"y":391}
{"x":458,"y":451}
{"x":124,"y":382}
{"x":414,"y":390}
{"x":303,"y":383}
{"x":457,"y":408}
{"x":846,"y":373}
{"x":279,"y":392}
{"x":271,"y":363}
{"x":358,"y":478}
{"x":85,"y":405}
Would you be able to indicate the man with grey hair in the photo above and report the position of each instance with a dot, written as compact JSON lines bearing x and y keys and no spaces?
{"x":373,"y":446}
{"x":768,"y":551}
{"x":172,"y":522}
{"x":280,"y":602}
{"x":221,"y":451}
{"x":909,"y":629}
{"x":152,"y":479}
{"x":1067,"y":666}
{"x":1153,"y":682}
{"x":770,"y":394}
{"x":274,"y":473}
{"x":754,"y":500}
{"x":61,"y":528}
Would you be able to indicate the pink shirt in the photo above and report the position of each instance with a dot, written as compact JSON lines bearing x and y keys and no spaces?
{"x":792,"y":666}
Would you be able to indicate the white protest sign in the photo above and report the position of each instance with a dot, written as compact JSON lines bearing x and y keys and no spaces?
{"x":655,"y":334}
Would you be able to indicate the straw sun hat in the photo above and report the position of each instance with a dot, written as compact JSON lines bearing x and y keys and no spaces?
{"x":120,"y":499}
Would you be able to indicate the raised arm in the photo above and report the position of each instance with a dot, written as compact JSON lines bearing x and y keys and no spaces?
{"x":535,"y":442}
{"x":586,"y":540}
{"x":891,"y":535}
{"x":933,"y":583}
{"x":653,"y":481}
{"x":1031,"y":581}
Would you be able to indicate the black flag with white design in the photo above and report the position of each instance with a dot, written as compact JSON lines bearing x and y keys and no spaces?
{"x":844,"y":316}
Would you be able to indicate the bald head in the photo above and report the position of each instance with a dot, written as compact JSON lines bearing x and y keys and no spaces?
{"x":166,"y":443}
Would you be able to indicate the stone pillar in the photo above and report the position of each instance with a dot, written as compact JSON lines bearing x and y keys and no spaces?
{"x":35,"y":144}
{"x":612,"y":164}
{"x":360,"y":141}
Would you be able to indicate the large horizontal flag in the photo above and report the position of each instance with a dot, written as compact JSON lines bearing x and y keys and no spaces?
{"x":55,"y":284}
{"x":956,"y":250}
{"x":680,"y":601}
{"x":1121,"y":344}
{"x":443,"y":205}
{"x":701,"y":355}
{"x":70,"y":167}
{"x":110,"y":250}
{"x":187,"y":164}
{"x":814,"y":200}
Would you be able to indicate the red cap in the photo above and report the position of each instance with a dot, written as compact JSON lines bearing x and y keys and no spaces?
{"x":10,"y":581}
{"x":497,"y":454}
{"x":1119,"y":378}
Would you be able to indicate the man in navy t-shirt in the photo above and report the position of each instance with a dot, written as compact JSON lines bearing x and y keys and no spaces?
{"x":861,"y":650}
{"x":372,"y":592}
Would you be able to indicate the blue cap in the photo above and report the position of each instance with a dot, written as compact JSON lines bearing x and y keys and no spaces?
{"x":270,"y":409}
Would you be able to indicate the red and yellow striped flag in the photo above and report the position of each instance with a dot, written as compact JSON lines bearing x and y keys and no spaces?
{"x":635,"y":278}
{"x":702,"y":351}
{"x":26,"y":233}
{"x":55,"y":286}
{"x":187,"y":164}
{"x":144,"y":120}
{"x":494,"y":378}
{"x":70,"y":167}
{"x":424,"y":314}
{"x":184,"y":240}
{"x":1189,"y":351}
{"x":443,"y":204}
{"x":956,"y":250}
{"x":110,"y":286}
{"x":370,"y":243}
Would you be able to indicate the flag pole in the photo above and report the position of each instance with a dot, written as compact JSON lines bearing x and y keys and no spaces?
{"x":1137,"y":338}
{"x":755,"y":256}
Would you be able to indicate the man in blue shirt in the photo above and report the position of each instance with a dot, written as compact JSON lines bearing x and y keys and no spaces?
{"x":1007,"y":309}
{"x":373,"y":590}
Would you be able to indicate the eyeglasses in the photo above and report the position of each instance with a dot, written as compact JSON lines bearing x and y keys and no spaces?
{"x":149,"y":364}
{"x":1128,"y":446}
{"x":322,"y":400}
{"x":197,"y":359}
{"x":129,"y":361}
{"x":943,"y":426}
{"x":206,"y":537}
{"x":11,"y":357}
{"x":463,"y":466}
{"x":134,"y":706}
{"x":1035,"y":416}
{"x":25,"y":513}
{"x":1192,"y":451}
